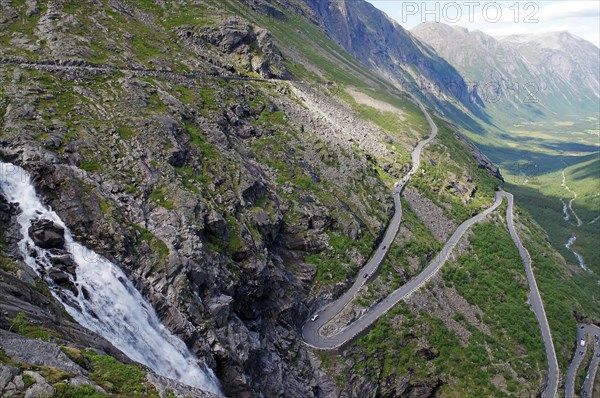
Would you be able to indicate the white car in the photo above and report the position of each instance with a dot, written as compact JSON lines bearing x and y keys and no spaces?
{"x":314,"y":317}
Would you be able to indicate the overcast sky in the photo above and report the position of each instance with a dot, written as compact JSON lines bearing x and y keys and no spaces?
{"x":501,"y":18}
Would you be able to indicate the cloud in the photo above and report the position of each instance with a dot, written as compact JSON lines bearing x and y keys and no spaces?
{"x":533,"y":12}
{"x":569,"y":9}
{"x":501,"y":18}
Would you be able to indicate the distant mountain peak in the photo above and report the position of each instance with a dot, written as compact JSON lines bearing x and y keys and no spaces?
{"x":552,"y":39}
{"x":560,"y":67}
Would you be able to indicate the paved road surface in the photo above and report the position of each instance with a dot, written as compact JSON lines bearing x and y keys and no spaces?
{"x":536,"y":305}
{"x":311,"y":330}
{"x":582,"y":331}
{"x":75,"y":65}
{"x":588,"y":384}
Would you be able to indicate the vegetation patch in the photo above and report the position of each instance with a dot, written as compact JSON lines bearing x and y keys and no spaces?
{"x":158,"y":196}
{"x":335,"y":264}
{"x":496,"y":265}
{"x":126,"y":132}
{"x":116,"y":378}
{"x":21,"y":325}
{"x":199,"y":140}
{"x":448,"y":166}
{"x":156,"y":245}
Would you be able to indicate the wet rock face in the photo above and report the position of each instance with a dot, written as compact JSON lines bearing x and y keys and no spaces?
{"x":9,"y":226}
{"x":47,"y":234}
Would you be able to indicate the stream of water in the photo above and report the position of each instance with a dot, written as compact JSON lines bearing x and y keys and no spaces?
{"x":579,"y":257}
{"x":105,"y":302}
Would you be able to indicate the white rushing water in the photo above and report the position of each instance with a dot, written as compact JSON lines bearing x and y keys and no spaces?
{"x":565,"y":212}
{"x":106,"y":301}
{"x":579,"y":257}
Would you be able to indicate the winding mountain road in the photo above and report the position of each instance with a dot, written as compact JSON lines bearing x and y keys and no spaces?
{"x":536,"y":303}
{"x":311,"y":331}
{"x":588,"y":385}
{"x":85,"y":66}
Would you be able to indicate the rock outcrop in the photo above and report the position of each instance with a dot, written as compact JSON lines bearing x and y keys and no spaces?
{"x":221,"y":197}
{"x":47,"y":234}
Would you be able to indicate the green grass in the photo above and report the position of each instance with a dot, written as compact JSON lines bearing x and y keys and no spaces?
{"x":334,"y":264}
{"x":157,"y":246}
{"x":388,"y":121}
{"x":446,"y":160}
{"x":158,"y":196}
{"x":28,"y":381}
{"x":21,"y":325}
{"x":272,"y":118}
{"x":541,"y":197}
{"x":144,"y":48}
{"x":498,"y":267}
{"x":199,"y":140}
{"x":7,"y":264}
{"x":90,"y":166}
{"x":191,"y":177}
{"x":547,"y":210}
{"x":64,"y":390}
{"x":421,"y":246}
{"x":118,"y":379}
{"x":532,"y":155}
{"x":126,"y":132}
{"x":209,"y":102}
{"x":389,"y":352}
{"x":584,"y":367}
{"x":563,"y":294}
{"x":234,"y":228}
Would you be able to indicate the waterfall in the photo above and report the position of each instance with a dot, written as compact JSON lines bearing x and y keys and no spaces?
{"x":579,"y":257}
{"x":102,"y":298}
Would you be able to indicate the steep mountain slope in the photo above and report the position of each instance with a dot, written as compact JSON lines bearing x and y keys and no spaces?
{"x":538,"y":77}
{"x":237,"y":164}
{"x":500,"y":72}
{"x":544,"y":96}
{"x":563,"y":58}
{"x":391,"y":51}
{"x":211,"y":193}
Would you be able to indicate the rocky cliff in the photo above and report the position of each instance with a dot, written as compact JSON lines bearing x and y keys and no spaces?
{"x":208,"y":192}
{"x":217,"y":154}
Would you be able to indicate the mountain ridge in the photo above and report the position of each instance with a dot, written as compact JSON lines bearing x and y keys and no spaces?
{"x":235,"y":163}
{"x":540,"y":74}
